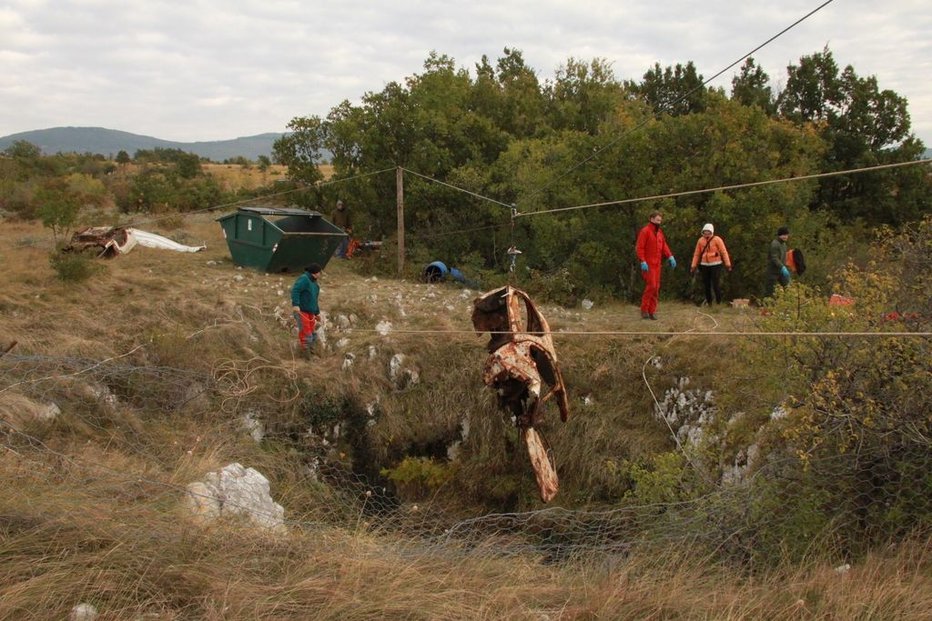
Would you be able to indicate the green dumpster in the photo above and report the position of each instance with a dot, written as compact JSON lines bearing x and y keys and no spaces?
{"x":280,"y":239}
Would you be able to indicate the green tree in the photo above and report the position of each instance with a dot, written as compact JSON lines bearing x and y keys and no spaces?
{"x":123,"y":158}
{"x":751,"y":87}
{"x":58,"y":208}
{"x":151,"y":191}
{"x":300,"y":149}
{"x":188,"y":165}
{"x":583,"y":95}
{"x":674,"y":90}
{"x":23,"y":150}
{"x":522,"y":102}
{"x":863,"y":126}
{"x":813,"y":91}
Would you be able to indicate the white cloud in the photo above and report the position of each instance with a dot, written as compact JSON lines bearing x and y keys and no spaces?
{"x":217,"y":69}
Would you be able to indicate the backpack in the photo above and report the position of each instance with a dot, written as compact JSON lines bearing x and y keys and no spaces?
{"x":796,"y":262}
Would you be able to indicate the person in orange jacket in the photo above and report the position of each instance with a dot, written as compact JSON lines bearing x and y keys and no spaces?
{"x":710,"y":255}
{"x":651,"y":249}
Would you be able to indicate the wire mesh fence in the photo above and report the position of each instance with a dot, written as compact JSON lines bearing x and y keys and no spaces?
{"x":788,"y":506}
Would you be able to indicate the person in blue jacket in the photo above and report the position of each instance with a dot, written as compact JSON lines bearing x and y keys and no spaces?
{"x":304,"y":304}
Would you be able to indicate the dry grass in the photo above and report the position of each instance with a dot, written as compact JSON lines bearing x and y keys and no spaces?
{"x":233,"y":177}
{"x":121,"y":546}
{"x":93,"y":513}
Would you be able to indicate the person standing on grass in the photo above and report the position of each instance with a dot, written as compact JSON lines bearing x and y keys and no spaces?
{"x":777,"y":271}
{"x":651,"y":249}
{"x":341,"y":217}
{"x":710,"y":255}
{"x":304,"y":304}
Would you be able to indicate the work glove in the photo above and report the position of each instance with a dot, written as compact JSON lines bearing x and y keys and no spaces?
{"x":672,"y":263}
{"x":785,"y":272}
{"x":644,"y":267}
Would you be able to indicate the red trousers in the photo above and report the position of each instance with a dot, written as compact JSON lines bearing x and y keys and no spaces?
{"x":307,"y":324}
{"x":651,"y":289}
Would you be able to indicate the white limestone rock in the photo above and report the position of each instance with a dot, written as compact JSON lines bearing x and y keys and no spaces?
{"x":83,"y":612}
{"x":236,"y":491}
{"x":402,"y":373}
{"x":253,"y":425}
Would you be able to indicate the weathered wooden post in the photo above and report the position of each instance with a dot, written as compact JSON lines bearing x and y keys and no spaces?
{"x":400,"y":196}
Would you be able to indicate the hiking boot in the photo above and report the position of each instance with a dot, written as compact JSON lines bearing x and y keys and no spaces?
{"x":645,"y":315}
{"x":651,"y":316}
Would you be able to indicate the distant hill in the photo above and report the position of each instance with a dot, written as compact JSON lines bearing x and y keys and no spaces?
{"x":110,"y":142}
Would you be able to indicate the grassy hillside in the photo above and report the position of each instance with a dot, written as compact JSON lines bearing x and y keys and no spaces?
{"x":403,"y":498}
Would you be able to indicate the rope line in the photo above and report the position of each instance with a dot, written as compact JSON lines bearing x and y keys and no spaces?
{"x":212,"y":208}
{"x":736,"y":186}
{"x":253,"y":199}
{"x":514,"y":214}
{"x":730,"y":333}
{"x":354,"y":177}
{"x":449,"y":185}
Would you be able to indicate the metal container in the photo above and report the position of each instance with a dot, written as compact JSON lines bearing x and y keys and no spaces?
{"x":280,"y":239}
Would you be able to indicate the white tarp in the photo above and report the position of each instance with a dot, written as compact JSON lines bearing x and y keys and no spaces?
{"x":151,"y":240}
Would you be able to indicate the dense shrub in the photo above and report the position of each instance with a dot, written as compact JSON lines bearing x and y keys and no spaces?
{"x":860,"y":404}
{"x":73,"y":267}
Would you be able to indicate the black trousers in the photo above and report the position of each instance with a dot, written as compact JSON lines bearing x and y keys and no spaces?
{"x":711,"y":277}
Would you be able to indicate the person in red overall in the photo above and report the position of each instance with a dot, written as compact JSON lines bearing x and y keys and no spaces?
{"x":304,"y":296}
{"x":651,"y":249}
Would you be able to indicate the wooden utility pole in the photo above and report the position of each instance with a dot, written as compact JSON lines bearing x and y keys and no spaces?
{"x":400,"y":196}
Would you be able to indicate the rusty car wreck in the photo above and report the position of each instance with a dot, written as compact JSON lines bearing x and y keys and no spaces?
{"x":521,"y":361}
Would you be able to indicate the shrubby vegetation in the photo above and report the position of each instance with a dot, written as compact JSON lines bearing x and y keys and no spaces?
{"x":862,"y":404}
{"x":159,"y":181}
{"x":845,"y":467}
{"x":588,"y":137}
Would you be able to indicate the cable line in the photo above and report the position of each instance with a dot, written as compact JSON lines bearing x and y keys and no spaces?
{"x":357,"y":176}
{"x":449,"y":185}
{"x":253,"y":199}
{"x":731,"y":333}
{"x":736,"y":186}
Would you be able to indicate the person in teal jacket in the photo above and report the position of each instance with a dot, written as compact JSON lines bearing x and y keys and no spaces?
{"x":304,"y":304}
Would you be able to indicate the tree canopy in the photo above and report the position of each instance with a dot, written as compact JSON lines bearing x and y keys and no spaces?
{"x":499,"y":136}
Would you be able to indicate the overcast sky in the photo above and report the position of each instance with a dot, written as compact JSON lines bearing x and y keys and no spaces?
{"x":192,"y":70}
